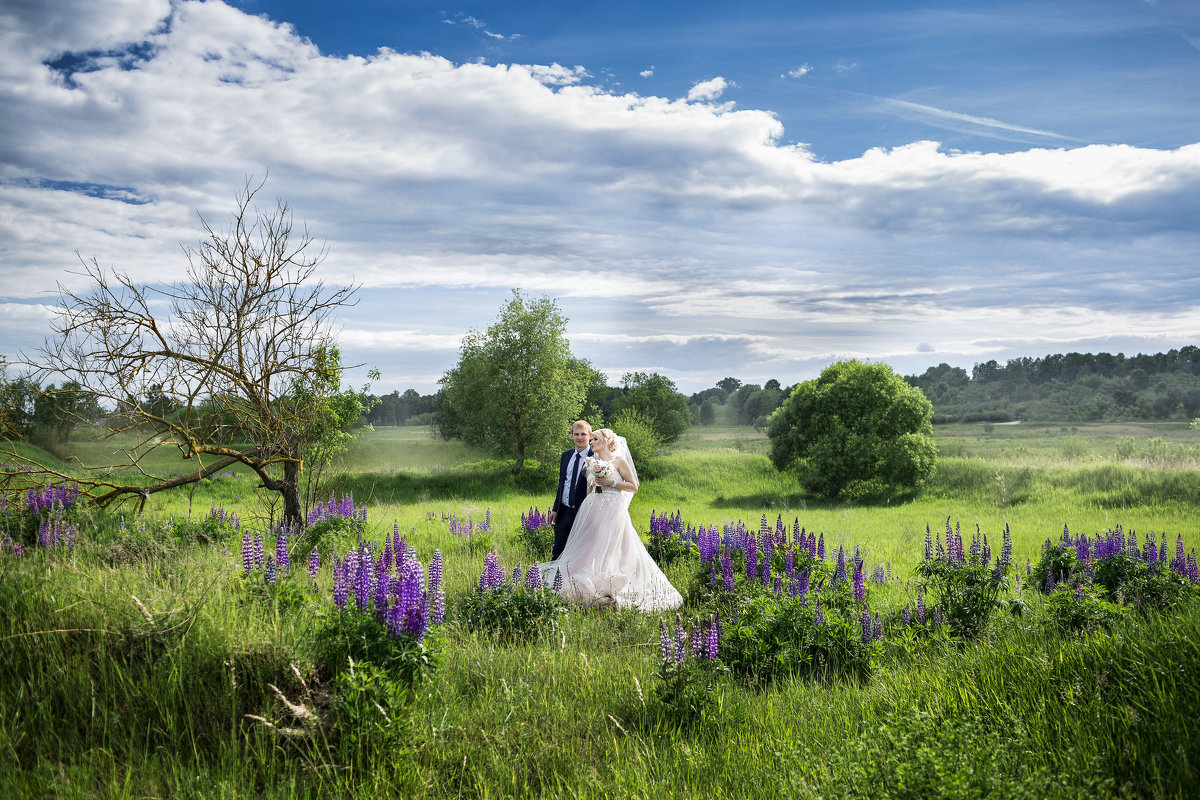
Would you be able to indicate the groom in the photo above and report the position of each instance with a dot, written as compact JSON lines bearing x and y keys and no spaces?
{"x":572,"y":486}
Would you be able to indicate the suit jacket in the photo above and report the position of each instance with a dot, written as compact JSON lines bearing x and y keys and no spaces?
{"x":579,"y":491}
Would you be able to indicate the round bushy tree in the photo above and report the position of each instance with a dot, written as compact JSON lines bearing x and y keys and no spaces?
{"x":859,"y":430}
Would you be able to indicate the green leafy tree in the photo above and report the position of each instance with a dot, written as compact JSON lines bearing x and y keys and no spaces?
{"x":516,"y":387}
{"x":655,"y":399}
{"x":856,"y":431}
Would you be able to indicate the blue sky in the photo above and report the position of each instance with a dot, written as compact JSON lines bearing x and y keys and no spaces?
{"x":711,"y":189}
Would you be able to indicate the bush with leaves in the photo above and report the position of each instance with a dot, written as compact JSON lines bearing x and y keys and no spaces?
{"x":1083,"y":609}
{"x":520,"y":610}
{"x":965,"y":583}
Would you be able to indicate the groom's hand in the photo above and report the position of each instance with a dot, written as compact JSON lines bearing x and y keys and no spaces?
{"x":553,"y":516}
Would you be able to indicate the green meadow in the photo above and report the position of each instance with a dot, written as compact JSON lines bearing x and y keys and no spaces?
{"x":142,"y":664}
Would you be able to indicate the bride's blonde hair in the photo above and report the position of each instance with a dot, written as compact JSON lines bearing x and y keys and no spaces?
{"x":608,"y":436}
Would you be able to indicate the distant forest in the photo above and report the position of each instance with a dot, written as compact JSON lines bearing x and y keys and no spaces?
{"x":1076,"y":387}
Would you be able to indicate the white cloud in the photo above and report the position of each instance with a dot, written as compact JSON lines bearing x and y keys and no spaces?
{"x":647,"y":73}
{"x":709,"y":90}
{"x":692,"y":224}
{"x":799,"y":72}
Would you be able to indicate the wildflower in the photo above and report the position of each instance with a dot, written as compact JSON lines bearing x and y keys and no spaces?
{"x":533,"y":578}
{"x":921,"y":605}
{"x":558,"y":581}
{"x":314,"y":562}
{"x":866,"y":625}
{"x":906,"y":616}
{"x":270,"y":577}
{"x":712,"y":639}
{"x":665,"y":651}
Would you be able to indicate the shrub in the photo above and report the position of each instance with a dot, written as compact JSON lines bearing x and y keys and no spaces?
{"x":1083,"y":609}
{"x":521,"y":610}
{"x":858,"y":430}
{"x":965,"y":584}
{"x":644,"y":442}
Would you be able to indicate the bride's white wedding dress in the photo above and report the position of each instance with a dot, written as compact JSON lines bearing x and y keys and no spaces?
{"x":605,"y":562}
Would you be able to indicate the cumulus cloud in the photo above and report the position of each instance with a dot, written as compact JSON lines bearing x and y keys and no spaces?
{"x":647,"y":73}
{"x":799,"y":72}
{"x":709,"y":90}
{"x":699,"y":225}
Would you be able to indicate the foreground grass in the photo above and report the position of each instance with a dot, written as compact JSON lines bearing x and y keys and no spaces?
{"x":139,"y":656}
{"x":134,"y":679}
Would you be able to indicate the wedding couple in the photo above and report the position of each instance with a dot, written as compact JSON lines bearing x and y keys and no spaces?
{"x":597,"y":549}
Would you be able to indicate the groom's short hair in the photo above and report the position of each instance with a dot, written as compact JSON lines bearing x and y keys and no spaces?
{"x":582,"y":423}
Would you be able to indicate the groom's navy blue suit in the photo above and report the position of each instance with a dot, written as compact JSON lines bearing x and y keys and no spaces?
{"x":565,"y":507}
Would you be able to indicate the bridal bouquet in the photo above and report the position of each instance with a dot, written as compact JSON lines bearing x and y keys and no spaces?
{"x":598,"y":468}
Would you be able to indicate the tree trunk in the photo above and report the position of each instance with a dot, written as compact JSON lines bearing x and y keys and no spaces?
{"x":289,"y":487}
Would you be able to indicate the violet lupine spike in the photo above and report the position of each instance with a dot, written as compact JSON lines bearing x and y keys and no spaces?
{"x":516,"y":575}
{"x":839,"y":572}
{"x":714,"y":582}
{"x":860,"y":589}
{"x":802,"y":582}
{"x":727,"y":578}
{"x":558,"y":581}
{"x":314,"y":563}
{"x":821,"y":546}
{"x":533,"y":578}
{"x":765,"y":570}
{"x":921,"y":605}
{"x":866,"y":625}
{"x":260,"y":558}
{"x":665,"y":649}
{"x":818,"y":615}
{"x":680,"y":649}
{"x":247,"y":553}
{"x":906,"y":616}
{"x":928,"y":543}
{"x":436,"y":568}
{"x":281,"y":550}
{"x":712,"y":640}
{"x":696,"y":640}
{"x":789,"y":562}
{"x":878,"y":632}
{"x":270,"y":568}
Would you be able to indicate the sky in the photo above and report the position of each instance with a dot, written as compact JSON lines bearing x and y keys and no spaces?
{"x":706,"y":189}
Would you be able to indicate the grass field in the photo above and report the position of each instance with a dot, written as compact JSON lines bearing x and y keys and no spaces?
{"x":135,"y":659}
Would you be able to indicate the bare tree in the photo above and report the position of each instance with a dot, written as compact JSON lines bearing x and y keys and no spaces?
{"x":234,"y":364}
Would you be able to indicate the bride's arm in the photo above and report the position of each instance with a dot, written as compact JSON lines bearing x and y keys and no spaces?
{"x":621,"y":482}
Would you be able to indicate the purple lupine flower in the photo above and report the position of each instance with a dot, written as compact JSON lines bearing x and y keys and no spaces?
{"x":247,"y":553}
{"x":665,"y":650}
{"x":270,"y":566}
{"x":801,"y":587}
{"x":492,"y":576}
{"x":727,"y":571}
{"x":778,"y":586}
{"x":340,"y":589}
{"x":906,"y":616}
{"x":839,"y":572}
{"x":314,"y":563}
{"x":928,"y":543}
{"x":789,"y":562}
{"x":866,"y":625}
{"x":516,"y":575}
{"x":713,"y":580}
{"x":765,"y":570}
{"x":878,"y":632}
{"x":818,"y":615}
{"x":680,"y":650}
{"x":712,"y":639}
{"x":260,"y":557}
{"x":860,"y":589}
{"x":821,"y":546}
{"x":921,"y":605}
{"x":696,"y":640}
{"x":533,"y":578}
{"x":558,"y":581}
{"x":1050,"y":585}
{"x":281,"y":550}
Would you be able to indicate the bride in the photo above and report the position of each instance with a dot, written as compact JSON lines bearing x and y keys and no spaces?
{"x":605,"y":562}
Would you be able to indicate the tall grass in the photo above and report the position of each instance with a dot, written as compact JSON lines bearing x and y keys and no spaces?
{"x":133,"y":662}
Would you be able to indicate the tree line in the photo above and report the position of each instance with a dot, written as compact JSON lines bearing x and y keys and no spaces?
{"x":1076,"y":387}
